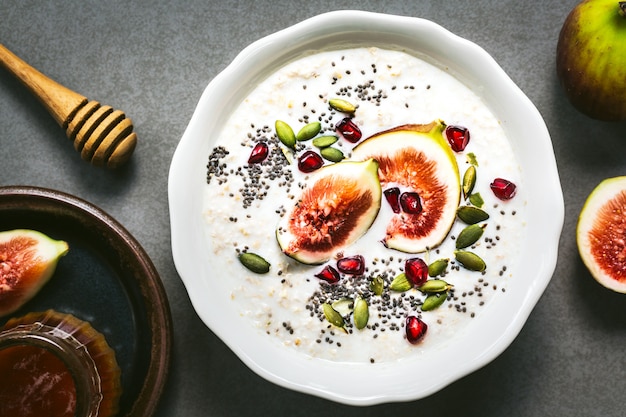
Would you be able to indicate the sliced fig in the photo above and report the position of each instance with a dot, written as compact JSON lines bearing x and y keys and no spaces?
{"x":27,"y":261}
{"x":601,"y":232}
{"x":334,"y":211}
{"x":417,"y":158}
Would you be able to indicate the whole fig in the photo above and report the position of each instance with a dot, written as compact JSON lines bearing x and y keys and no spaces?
{"x":591,"y":59}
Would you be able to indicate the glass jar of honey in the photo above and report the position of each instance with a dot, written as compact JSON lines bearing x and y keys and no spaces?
{"x":56,"y":365}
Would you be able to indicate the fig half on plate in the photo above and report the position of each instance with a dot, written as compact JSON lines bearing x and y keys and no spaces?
{"x":334,"y":211}
{"x":417,"y":161}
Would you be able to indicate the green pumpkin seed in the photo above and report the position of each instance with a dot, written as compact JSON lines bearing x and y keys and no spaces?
{"x":309,"y":131}
{"x":288,"y":154}
{"x":254,"y":262}
{"x":434,"y":300}
{"x":471,"y":214}
{"x":469,"y":180}
{"x":324,"y":141}
{"x":377,"y":285}
{"x":469,"y":235}
{"x":342,"y":105}
{"x":471,"y":158}
{"x":332,"y":154}
{"x":332,"y":315}
{"x":285,"y":134}
{"x":438,"y":267}
{"x":470,"y":260}
{"x":343,"y":306}
{"x":476,"y":199}
{"x":400,"y":283}
{"x":361,"y":313}
{"x":434,"y":286}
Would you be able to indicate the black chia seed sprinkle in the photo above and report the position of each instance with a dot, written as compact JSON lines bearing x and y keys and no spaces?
{"x":216,"y":168}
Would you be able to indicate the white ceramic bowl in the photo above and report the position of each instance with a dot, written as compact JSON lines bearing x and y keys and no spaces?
{"x":392,"y":381}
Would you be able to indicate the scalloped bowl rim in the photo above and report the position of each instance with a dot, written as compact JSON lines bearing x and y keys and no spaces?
{"x":366,"y":384}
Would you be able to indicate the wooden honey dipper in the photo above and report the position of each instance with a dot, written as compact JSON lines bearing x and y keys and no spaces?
{"x":103,"y":136}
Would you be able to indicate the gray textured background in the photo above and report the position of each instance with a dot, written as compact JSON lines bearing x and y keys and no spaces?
{"x":152,"y":59}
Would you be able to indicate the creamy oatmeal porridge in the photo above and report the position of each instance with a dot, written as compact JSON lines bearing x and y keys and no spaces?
{"x":244,"y":202}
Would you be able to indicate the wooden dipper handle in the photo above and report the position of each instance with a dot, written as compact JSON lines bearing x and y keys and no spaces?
{"x":103,"y":136}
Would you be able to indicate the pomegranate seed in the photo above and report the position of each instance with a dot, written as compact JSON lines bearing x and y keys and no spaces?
{"x":458,"y":137}
{"x":328,"y":274}
{"x":415,"y":329}
{"x":503,"y":189}
{"x":416,"y":271}
{"x":259,"y":153}
{"x":310,"y":161}
{"x":349,"y":130}
{"x":410,"y":203}
{"x":393,"y":198}
{"x":353,"y":265}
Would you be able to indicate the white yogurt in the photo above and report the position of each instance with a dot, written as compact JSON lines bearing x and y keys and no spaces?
{"x":391,"y":88}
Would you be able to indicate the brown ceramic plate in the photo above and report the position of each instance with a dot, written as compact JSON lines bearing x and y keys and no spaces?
{"x":107,"y":279}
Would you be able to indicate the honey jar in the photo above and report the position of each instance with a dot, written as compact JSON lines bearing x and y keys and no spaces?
{"x":56,"y":365}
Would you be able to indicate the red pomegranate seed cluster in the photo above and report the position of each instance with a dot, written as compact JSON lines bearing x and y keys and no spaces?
{"x":310,"y":161}
{"x":503,"y":189}
{"x":353,"y":265}
{"x":392,"y":195}
{"x":416,"y":271}
{"x":328,"y":274}
{"x":415,"y":329}
{"x":259,"y":153}
{"x":408,"y":202}
{"x":458,"y":137}
{"x":349,"y":130}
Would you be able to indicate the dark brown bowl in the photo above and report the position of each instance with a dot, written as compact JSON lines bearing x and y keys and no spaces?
{"x":107,"y":279}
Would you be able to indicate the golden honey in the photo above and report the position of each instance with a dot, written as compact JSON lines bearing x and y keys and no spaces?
{"x":56,"y":365}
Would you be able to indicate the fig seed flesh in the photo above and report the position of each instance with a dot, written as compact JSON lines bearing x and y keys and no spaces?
{"x":27,"y":261}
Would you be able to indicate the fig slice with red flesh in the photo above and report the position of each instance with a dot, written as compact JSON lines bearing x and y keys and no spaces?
{"x":335,"y":209}
{"x":601,"y":233}
{"x":416,"y":158}
{"x":27,"y":261}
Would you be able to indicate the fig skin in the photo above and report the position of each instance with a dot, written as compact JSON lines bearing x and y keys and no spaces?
{"x":28,"y":260}
{"x":591,"y":59}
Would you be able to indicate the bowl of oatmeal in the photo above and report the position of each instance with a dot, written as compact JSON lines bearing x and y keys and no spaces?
{"x":358,"y":327}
